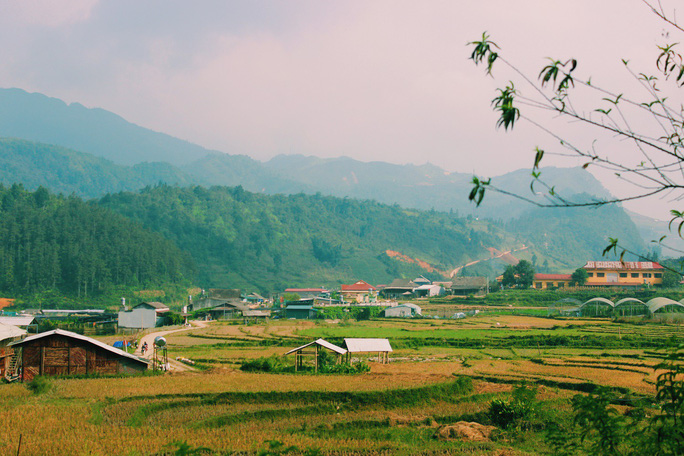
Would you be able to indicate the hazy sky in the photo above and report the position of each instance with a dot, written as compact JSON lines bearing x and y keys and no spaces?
{"x":374,"y":80}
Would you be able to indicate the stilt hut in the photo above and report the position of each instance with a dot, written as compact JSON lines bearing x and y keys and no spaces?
{"x":313,"y":350}
{"x":380,"y":346}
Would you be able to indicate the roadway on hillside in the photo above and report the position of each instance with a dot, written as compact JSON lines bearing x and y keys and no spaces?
{"x":505,"y":256}
{"x":173,"y":364}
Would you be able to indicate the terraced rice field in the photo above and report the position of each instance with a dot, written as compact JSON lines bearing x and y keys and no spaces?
{"x":440,"y":373}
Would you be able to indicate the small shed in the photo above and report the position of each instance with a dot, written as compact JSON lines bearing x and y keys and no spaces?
{"x":407,"y":310}
{"x":380,"y":346}
{"x":229,"y":309}
{"x":60,"y":352}
{"x":314,"y":348}
{"x":300,"y":311}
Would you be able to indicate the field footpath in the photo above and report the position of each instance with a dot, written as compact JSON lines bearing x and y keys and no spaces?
{"x":173,"y":364}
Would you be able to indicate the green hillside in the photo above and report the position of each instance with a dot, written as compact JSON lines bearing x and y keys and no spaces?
{"x":62,"y":245}
{"x":249,"y":240}
{"x":67,"y":171}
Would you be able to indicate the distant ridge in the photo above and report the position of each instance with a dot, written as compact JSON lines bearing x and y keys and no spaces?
{"x":40,"y":118}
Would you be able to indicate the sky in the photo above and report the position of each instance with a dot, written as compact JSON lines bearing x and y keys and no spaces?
{"x":373,"y":80}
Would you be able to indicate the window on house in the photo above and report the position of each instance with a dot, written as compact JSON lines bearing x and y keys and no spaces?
{"x":623,"y":274}
{"x":590,"y":274}
{"x":658,"y":275}
{"x":538,"y":285}
{"x":635,"y":275}
{"x":600,"y":274}
{"x":647,"y":275}
{"x":549,"y":284}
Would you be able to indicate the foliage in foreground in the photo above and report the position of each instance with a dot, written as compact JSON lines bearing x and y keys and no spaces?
{"x":600,"y":428}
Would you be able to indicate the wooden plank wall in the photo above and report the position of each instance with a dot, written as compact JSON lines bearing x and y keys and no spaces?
{"x":59,"y":355}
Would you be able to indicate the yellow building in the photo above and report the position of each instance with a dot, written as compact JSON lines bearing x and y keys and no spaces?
{"x":551,"y":281}
{"x":623,"y":273}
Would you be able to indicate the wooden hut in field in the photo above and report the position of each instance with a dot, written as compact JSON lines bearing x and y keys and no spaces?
{"x":313,"y":349}
{"x":60,"y":352}
{"x":380,"y":346}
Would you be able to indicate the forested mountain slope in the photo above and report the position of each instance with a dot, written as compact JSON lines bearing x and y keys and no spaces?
{"x":63,"y":244}
{"x":228,"y":237}
{"x":66,"y":171}
{"x":245,"y":239}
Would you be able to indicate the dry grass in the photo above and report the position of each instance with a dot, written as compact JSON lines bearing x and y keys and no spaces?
{"x":98,"y":416}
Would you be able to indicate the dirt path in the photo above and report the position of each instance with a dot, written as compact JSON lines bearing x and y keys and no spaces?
{"x":173,"y":364}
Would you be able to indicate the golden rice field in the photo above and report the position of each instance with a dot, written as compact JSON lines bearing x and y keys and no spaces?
{"x":396,"y":408}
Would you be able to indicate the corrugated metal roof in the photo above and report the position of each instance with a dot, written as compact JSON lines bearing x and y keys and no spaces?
{"x":622,"y":265}
{"x":256,"y":313}
{"x":367,"y":345}
{"x":10,"y":332}
{"x":73,"y":335}
{"x":17,"y":321}
{"x":300,"y":307}
{"x":322,"y":343}
{"x":461,"y":283}
{"x":157,"y":305}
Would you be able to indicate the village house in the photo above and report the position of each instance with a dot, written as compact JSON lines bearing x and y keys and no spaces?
{"x":551,"y":281}
{"x":226,"y":310}
{"x":301,"y":310}
{"x":464,"y":286}
{"x":144,"y":315}
{"x":399,"y":288}
{"x":359,"y":292}
{"x":60,"y":352}
{"x":623,"y":273}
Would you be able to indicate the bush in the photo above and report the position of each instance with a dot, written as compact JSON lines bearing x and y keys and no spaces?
{"x":355,"y":368}
{"x":516,"y":412}
{"x":39,"y":385}
{"x":265,"y":364}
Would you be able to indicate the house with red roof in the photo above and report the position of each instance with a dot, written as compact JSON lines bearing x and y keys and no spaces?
{"x":360,"y":291}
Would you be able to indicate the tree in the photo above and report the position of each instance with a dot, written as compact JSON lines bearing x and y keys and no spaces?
{"x":652,"y":123}
{"x":521,"y":275}
{"x":671,"y":279}
{"x":524,"y":273}
{"x":579,"y":277}
{"x":508,"y":279}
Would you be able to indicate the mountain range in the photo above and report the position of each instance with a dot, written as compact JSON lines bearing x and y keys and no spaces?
{"x":92,"y":152}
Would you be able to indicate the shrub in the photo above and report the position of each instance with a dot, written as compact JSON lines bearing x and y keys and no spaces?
{"x":515,"y":412}
{"x":39,"y":385}
{"x":265,"y":364}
